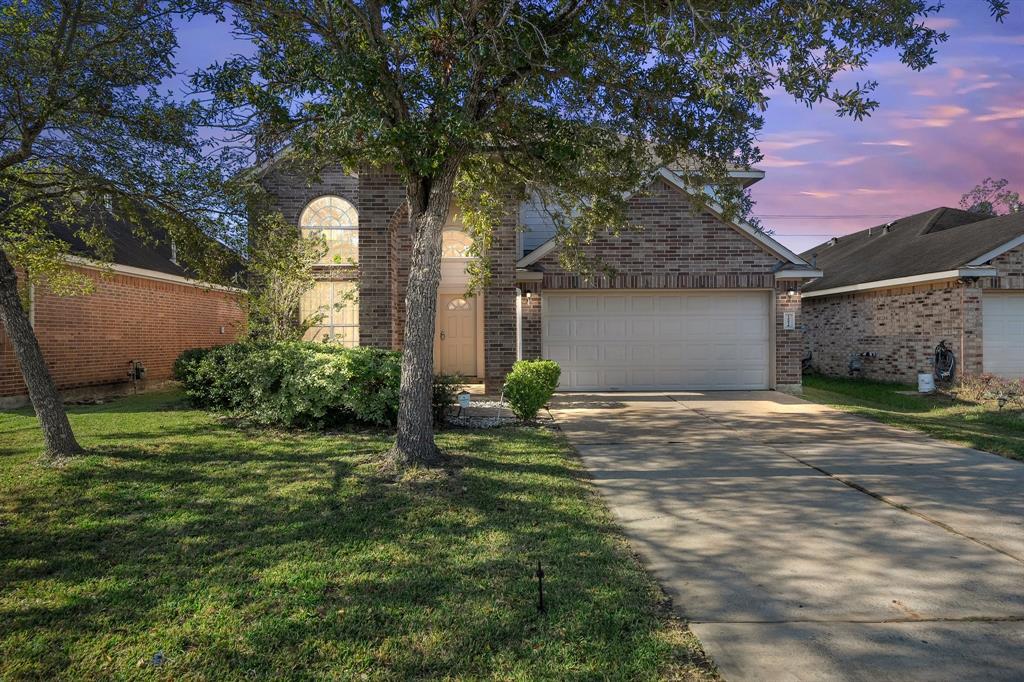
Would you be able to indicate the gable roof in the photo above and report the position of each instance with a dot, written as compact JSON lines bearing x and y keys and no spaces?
{"x":790,"y":259}
{"x":130,"y":250}
{"x":936,"y":241}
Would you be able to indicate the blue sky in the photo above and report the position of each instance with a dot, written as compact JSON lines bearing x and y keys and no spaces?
{"x":936,"y":134}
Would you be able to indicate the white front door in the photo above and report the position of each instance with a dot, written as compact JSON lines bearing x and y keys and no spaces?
{"x":1002,"y":333}
{"x":679,"y":339}
{"x":456,"y":324}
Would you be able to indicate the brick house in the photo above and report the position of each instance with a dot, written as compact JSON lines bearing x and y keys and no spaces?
{"x":696,"y":302}
{"x":891,"y":293}
{"x":144,"y":307}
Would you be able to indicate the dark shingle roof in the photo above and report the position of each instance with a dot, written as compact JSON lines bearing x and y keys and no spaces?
{"x":934,"y":241}
{"x":152,"y":252}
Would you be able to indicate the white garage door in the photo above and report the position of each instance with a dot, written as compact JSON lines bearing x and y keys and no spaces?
{"x":1002,"y":334}
{"x":658,"y":340}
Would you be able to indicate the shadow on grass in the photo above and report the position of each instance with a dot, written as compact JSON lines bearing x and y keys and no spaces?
{"x":247,"y":554}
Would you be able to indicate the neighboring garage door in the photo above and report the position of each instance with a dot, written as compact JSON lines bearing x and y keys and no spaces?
{"x":658,"y":340}
{"x":1002,"y":334}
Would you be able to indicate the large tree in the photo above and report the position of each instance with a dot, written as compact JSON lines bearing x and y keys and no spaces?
{"x":991,"y":197}
{"x":577,"y":100}
{"x":84,"y":129}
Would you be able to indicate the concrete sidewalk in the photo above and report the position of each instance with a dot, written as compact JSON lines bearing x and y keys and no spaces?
{"x":804,"y":543}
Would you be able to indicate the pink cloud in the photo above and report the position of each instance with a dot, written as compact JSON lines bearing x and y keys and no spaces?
{"x":890,"y":143}
{"x":941,"y":23}
{"x":848,"y":161}
{"x":1000,"y":114}
{"x":771,"y":161}
{"x":984,"y":85}
{"x":820,"y":194}
{"x":787,"y":142}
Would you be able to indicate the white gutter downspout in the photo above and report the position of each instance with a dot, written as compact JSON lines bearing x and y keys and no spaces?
{"x":519,"y":324}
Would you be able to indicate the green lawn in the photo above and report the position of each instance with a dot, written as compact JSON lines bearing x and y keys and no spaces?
{"x":256,"y":555}
{"x":977,"y":426}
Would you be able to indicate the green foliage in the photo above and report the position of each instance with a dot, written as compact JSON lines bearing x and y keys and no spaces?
{"x":577,"y":101}
{"x":992,"y":198}
{"x":243,"y":554}
{"x":530,"y":385}
{"x":446,"y":388}
{"x":280,"y":270}
{"x":298,"y":383}
{"x":93,"y":133}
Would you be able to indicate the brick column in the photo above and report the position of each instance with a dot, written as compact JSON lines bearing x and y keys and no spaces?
{"x":971,"y":358}
{"x":399,"y":255}
{"x":500,"y":306}
{"x":789,"y":345}
{"x":381,"y":195}
{"x":531,"y":320}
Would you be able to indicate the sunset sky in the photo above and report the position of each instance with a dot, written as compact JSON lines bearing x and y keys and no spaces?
{"x":936,"y":134}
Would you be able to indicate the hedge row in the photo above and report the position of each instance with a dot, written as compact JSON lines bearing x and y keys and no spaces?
{"x":300,"y":383}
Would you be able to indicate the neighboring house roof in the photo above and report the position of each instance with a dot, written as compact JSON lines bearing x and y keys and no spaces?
{"x":938,"y":242}
{"x":130,"y":251}
{"x":792,"y":264}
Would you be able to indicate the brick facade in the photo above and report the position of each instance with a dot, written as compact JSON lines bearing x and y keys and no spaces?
{"x":901,"y":326}
{"x":500,"y":306}
{"x":679,"y":248}
{"x":89,"y":340}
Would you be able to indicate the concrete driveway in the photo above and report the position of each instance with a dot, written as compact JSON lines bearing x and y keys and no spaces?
{"x":807,"y":544}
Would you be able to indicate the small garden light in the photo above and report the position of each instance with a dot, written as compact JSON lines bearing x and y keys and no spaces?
{"x":1002,"y":400}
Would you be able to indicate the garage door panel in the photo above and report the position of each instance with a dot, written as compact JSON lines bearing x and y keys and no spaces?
{"x":616,"y":352}
{"x":1003,"y":333}
{"x":659,"y":340}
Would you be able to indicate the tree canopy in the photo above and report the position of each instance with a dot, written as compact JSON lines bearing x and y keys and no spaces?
{"x":576,"y":100}
{"x":992,"y":197}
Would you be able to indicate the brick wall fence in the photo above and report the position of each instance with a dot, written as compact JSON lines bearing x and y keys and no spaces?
{"x":89,"y":340}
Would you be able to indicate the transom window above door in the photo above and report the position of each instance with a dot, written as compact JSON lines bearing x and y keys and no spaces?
{"x":337,"y":221}
{"x":455,"y":244}
{"x":458,"y":304}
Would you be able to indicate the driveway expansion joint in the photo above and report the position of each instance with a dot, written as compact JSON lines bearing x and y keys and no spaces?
{"x":859,"y":488}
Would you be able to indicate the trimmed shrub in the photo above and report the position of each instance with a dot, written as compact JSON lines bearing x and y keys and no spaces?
{"x":296,"y":383}
{"x":446,"y":387}
{"x":530,"y":385}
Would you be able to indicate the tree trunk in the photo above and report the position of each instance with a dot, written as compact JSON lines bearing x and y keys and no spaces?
{"x":57,"y":434}
{"x":429,"y":202}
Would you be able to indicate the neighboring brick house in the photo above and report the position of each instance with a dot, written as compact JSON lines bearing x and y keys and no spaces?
{"x":891,"y":293}
{"x":697,"y":302}
{"x":144,"y":307}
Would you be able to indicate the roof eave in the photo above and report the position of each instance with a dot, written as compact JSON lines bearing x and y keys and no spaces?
{"x":959,"y":273}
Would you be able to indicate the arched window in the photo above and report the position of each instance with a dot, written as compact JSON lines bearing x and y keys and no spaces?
{"x":455,"y":244}
{"x":338,"y":222}
{"x":458,"y":304}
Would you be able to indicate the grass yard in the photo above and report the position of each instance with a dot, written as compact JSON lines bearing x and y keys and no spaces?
{"x":976,"y":426}
{"x":258,"y":555}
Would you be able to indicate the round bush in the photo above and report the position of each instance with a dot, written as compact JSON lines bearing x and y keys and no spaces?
{"x":530,"y":385}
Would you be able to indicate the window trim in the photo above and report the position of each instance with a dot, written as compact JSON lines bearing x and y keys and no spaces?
{"x":310,"y":229}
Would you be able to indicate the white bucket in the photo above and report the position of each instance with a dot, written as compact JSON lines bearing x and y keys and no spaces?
{"x":925,"y":382}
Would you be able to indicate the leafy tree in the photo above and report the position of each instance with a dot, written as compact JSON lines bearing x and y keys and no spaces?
{"x":83,"y":127}
{"x":280,"y":272}
{"x":992,"y":198}
{"x":479,"y":100}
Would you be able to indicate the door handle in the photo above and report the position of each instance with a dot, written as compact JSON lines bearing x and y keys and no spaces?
{"x":442,"y":335}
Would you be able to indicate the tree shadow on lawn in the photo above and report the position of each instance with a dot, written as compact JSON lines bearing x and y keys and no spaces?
{"x":286,"y":555}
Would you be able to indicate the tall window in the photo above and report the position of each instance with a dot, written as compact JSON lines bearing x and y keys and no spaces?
{"x":455,"y":244}
{"x":338,"y":222}
{"x":337,"y":308}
